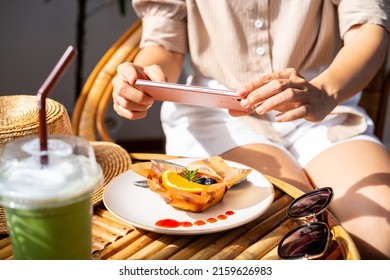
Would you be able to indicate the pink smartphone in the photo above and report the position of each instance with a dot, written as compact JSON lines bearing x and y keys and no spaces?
{"x":192,"y":95}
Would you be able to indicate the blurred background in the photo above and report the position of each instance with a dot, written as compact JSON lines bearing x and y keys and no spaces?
{"x":35,"y":33}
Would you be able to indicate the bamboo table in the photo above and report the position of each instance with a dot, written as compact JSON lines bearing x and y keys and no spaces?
{"x":117,"y":240}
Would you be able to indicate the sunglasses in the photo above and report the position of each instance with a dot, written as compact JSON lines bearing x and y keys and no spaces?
{"x":309,"y":240}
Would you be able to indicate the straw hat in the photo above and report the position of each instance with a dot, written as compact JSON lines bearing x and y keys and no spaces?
{"x":114,"y":160}
{"x":19,"y":118}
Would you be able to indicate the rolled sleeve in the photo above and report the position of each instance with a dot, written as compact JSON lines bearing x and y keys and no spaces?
{"x":168,"y":33}
{"x":353,"y":12}
{"x":164,"y":23}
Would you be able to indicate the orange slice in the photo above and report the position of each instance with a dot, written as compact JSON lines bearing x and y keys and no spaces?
{"x":171,"y":179}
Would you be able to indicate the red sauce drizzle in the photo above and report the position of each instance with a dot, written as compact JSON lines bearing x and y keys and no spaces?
{"x":168,"y":223}
{"x":171,"y":223}
{"x":186,"y":224}
{"x":200,"y":223}
{"x":211,"y":220}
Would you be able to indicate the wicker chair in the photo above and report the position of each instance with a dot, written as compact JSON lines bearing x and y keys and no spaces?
{"x":95,"y":98}
{"x":375,"y":99}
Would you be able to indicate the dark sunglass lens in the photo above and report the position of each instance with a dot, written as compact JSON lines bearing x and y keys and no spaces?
{"x":307,"y":241}
{"x":311,"y":203}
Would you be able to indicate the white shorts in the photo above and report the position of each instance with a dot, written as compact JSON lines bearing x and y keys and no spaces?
{"x":194,"y":131}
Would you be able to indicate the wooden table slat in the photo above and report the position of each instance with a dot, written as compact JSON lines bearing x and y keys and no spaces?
{"x":172,"y":249}
{"x":5,"y":249}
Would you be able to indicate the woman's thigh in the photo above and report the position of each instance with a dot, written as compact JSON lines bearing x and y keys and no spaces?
{"x":271,"y":160}
{"x":359,"y":173}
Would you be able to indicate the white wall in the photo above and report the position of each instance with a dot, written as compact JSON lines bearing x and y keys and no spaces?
{"x":33,"y":36}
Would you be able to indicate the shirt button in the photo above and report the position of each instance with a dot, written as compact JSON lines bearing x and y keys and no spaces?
{"x":260,"y":51}
{"x":259,"y":23}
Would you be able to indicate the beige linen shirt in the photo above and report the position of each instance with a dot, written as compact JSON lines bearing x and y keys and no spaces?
{"x":234,"y":41}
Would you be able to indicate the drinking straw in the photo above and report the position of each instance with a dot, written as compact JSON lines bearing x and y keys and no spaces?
{"x":43,"y":91}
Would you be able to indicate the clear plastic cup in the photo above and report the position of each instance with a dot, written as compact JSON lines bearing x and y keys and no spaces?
{"x":48,"y":207}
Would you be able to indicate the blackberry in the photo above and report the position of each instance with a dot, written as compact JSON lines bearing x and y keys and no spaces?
{"x":205,"y":181}
{"x":210,"y":181}
{"x":200,"y":180}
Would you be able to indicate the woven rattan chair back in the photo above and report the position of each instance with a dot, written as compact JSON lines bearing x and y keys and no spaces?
{"x":88,"y":118}
{"x":375,"y":99}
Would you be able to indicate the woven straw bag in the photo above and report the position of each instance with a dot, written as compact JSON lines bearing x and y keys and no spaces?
{"x":19,"y":118}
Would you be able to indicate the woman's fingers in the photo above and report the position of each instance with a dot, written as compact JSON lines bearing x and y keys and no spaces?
{"x":129,"y":114}
{"x":129,"y":101}
{"x":130,"y":72}
{"x":287,"y":73}
{"x":155,"y":73}
{"x":289,"y":93}
{"x":128,"y":96}
{"x":259,"y":95}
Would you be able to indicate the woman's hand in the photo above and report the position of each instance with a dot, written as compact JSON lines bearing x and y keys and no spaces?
{"x":129,"y":101}
{"x":287,"y":92}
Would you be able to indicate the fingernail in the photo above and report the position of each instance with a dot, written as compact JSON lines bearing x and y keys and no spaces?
{"x":149,"y":102}
{"x":241,"y":91}
{"x":244,"y":102}
{"x":260,"y":110}
{"x":279,"y":118}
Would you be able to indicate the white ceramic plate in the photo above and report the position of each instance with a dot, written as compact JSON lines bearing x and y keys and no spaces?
{"x":143,"y":208}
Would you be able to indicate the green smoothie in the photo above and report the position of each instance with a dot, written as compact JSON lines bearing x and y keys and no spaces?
{"x":51,"y":233}
{"x":48,"y":207}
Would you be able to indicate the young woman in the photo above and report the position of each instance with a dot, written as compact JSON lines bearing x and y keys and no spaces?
{"x":299,"y":67}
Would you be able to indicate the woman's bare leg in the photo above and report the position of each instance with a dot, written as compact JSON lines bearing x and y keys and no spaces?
{"x":359,"y":173}
{"x":272,"y":161}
